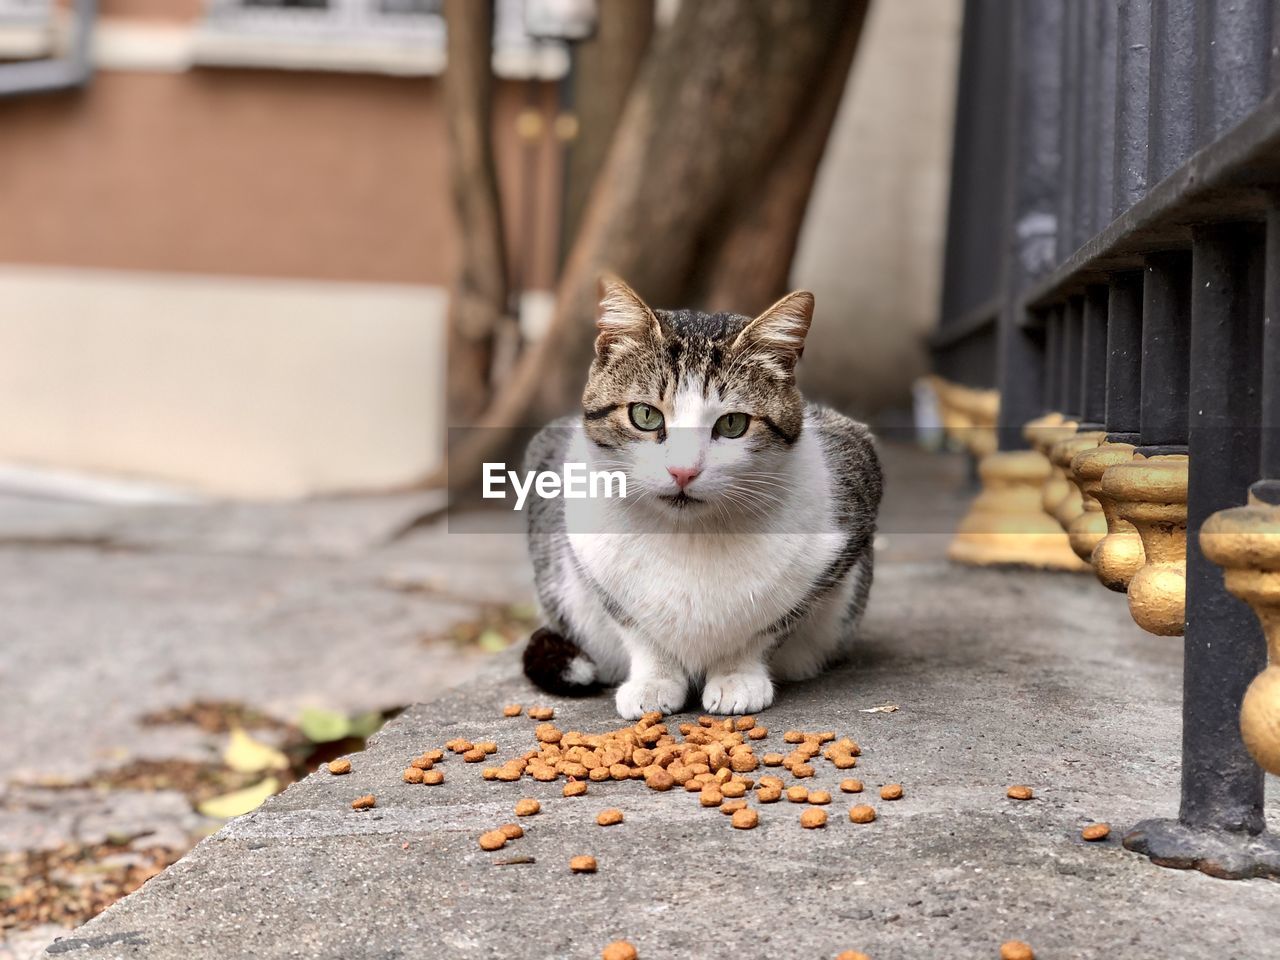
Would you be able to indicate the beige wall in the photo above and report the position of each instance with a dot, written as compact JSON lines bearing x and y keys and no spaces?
{"x":872,"y":242}
{"x":234,"y":387}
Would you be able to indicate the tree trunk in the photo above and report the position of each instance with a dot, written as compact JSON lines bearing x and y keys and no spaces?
{"x":714,"y":100}
{"x":478,"y":303}
{"x":604,"y":70}
{"x":750,"y":265}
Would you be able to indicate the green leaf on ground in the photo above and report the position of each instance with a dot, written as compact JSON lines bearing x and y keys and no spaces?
{"x":323,"y":726}
{"x":491,"y":641}
{"x":365,"y":725}
{"x":239,"y":802}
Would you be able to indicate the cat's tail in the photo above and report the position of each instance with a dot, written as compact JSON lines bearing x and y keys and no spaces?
{"x":558,"y":665}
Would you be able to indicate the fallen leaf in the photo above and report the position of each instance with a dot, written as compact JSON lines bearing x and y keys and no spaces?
{"x":323,"y":726}
{"x":884,"y":708}
{"x":238,"y":802}
{"x":247,"y":755}
{"x":491,"y":641}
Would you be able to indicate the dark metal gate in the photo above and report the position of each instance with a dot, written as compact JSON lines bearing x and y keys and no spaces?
{"x":1113,"y":269}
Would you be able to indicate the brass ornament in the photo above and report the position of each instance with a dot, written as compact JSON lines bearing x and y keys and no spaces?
{"x":1151,"y":494}
{"x":1006,"y":525}
{"x":969,"y":415}
{"x":1118,"y":554}
{"x":1245,"y":542}
{"x":1060,"y":455}
{"x":1042,"y":433}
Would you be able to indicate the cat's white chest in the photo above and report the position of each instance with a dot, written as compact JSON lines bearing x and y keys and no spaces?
{"x":702,"y":596}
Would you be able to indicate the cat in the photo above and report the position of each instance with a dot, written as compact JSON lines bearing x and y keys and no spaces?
{"x":742,"y":553}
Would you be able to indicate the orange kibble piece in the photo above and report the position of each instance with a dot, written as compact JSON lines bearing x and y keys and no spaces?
{"x":813,"y":818}
{"x":512,"y":831}
{"x":772,"y":759}
{"x":793,"y":736}
{"x":422,"y":763}
{"x":745,"y":819}
{"x":435,"y":756}
{"x":1096,"y":831}
{"x":851,"y":955}
{"x":802,"y":770}
{"x":732,"y":806}
{"x":607,"y":818}
{"x":575,"y":788}
{"x":512,"y":710}
{"x":734,"y":789}
{"x":364,"y":803}
{"x":744,"y":723}
{"x":660,"y":780}
{"x":819,"y":797}
{"x":474,"y":755}
{"x":340,"y":766}
{"x":797,"y":794}
{"x":851,"y":785}
{"x":768,"y":795}
{"x":433,"y":778}
{"x":619,"y":950}
{"x":757,"y":733}
{"x":493,"y":840}
{"x":582,"y":864}
{"x":711,"y":798}
{"x":489,"y":773}
{"x":862,"y":813}
{"x":891,"y":791}
{"x":412,"y":775}
{"x":527,"y":807}
{"x":1016,"y":950}
{"x":1019,"y":792}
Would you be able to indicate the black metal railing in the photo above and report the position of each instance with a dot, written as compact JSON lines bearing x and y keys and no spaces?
{"x":1143,"y":140}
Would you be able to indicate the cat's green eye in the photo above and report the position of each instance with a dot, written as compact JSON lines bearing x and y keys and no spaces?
{"x":732,"y":425}
{"x":645,"y":417}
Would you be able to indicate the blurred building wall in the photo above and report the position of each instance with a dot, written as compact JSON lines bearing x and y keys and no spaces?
{"x":872,"y":242}
{"x":234,"y":278}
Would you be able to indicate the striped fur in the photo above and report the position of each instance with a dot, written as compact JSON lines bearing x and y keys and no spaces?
{"x":757,"y":570}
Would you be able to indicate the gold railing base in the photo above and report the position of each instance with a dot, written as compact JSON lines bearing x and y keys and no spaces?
{"x":1117,"y":556}
{"x":1006,"y":525}
{"x":1151,"y":494}
{"x":1245,"y":542}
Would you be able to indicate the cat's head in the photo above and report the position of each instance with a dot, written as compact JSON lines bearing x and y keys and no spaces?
{"x":700,"y":410}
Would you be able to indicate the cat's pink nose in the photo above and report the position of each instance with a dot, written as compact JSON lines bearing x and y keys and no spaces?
{"x":683,"y":476}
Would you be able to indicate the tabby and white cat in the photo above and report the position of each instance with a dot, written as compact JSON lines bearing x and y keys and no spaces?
{"x":742,"y":552}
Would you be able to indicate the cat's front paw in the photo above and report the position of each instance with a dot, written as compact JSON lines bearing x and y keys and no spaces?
{"x":637,"y":697}
{"x":737,"y":693}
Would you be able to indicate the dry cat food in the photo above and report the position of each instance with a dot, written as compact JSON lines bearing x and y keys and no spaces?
{"x":862,"y":813}
{"x":732,"y":806}
{"x":813,"y":818}
{"x":366,"y":802}
{"x":745,"y":819}
{"x":1019,"y":792}
{"x":433,"y":778}
{"x":512,"y":831}
{"x":1096,"y":831}
{"x":619,"y":950}
{"x":412,"y":775}
{"x":819,"y":797}
{"x":1016,"y":950}
{"x":512,"y":710}
{"x":607,"y":818}
{"x":493,"y":840}
{"x":797,"y":794}
{"x":891,"y":791}
{"x":541,"y":713}
{"x":768,"y":795}
{"x":851,"y":786}
{"x":582,"y":864}
{"x":851,"y":955}
{"x":340,"y":766}
{"x":575,"y":788}
{"x":527,"y":807}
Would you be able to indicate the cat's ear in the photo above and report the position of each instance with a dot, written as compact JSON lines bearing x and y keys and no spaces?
{"x":622,"y":317}
{"x":779,"y":332}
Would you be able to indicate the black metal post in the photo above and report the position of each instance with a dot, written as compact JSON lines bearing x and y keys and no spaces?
{"x":1030,"y":227}
{"x":1124,"y":357}
{"x":1222,"y":787}
{"x":1166,"y":346}
{"x":1270,"y":407}
{"x":1052,"y":356}
{"x":1073,"y":358}
{"x":1093,"y":359}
